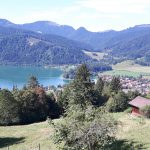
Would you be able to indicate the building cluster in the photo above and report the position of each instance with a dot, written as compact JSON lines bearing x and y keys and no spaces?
{"x":142,"y":85}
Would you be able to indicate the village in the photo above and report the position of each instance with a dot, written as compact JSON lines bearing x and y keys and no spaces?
{"x":142,"y":85}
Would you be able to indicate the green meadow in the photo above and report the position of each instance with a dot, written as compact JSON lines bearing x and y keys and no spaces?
{"x":132,"y":131}
{"x":129,"y":68}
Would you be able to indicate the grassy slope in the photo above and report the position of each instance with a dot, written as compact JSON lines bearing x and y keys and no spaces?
{"x":95,"y":55}
{"x":129,"y":68}
{"x":27,"y":137}
{"x":133,"y":130}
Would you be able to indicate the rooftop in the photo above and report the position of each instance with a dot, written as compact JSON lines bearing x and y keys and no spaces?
{"x":140,"y":102}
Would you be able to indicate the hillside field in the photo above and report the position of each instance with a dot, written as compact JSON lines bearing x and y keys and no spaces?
{"x":95,"y":55}
{"x":129,"y":68}
{"x":131,"y":131}
{"x":27,"y":137}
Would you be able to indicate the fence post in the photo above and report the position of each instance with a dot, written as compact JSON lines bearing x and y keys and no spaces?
{"x":39,"y":146}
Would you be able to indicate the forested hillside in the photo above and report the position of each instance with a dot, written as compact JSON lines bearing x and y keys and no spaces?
{"x":19,"y":46}
{"x":131,"y":43}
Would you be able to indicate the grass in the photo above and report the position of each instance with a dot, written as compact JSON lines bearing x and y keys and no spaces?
{"x":95,"y":55}
{"x":129,"y":68}
{"x":131,"y":132}
{"x":121,"y":73}
{"x":27,"y":137}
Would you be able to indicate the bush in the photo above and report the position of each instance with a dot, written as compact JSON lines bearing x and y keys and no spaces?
{"x":88,"y":129}
{"x":146,"y":111}
{"x":117,"y":103}
{"x":128,"y":110}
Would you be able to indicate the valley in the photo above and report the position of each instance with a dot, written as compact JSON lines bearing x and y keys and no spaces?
{"x":41,"y":109}
{"x":75,"y":75}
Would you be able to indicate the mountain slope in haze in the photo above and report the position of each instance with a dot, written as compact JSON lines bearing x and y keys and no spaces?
{"x":131,"y":43}
{"x":95,"y":39}
{"x":18,"y":46}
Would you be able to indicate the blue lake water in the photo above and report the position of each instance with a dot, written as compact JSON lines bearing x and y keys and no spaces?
{"x":19,"y":75}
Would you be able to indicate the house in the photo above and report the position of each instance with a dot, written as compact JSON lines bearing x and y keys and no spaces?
{"x":138,"y":103}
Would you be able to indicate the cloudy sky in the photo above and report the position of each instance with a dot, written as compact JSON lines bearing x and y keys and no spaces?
{"x":95,"y":15}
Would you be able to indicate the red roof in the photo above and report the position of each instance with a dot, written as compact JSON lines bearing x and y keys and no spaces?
{"x":140,"y":102}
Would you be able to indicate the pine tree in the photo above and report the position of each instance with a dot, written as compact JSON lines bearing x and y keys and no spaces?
{"x":83,"y":73}
{"x":99,"y":86}
{"x":84,"y":126}
{"x":33,"y":82}
{"x":115,"y":84}
{"x":82,"y":89}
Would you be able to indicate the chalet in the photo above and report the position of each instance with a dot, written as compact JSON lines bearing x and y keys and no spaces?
{"x":138,"y":103}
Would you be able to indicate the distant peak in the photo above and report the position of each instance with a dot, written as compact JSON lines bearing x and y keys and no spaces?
{"x":81,"y":29}
{"x":143,"y":26}
{"x":47,"y":23}
{"x":107,"y":31}
{"x":4,"y":22}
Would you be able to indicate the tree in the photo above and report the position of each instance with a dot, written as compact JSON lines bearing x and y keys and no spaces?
{"x":83,"y":73}
{"x":133,"y":94}
{"x":117,"y":102}
{"x":33,"y":82}
{"x":35,"y":105}
{"x":99,"y":85}
{"x":80,"y":91}
{"x":9,"y":113}
{"x":63,"y":97}
{"x":146,"y":111}
{"x":90,"y":129}
{"x":115,"y":84}
{"x":83,"y":126}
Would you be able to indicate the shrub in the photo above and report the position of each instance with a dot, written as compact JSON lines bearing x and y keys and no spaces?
{"x":117,"y":103}
{"x":146,"y":111}
{"x":128,"y":110}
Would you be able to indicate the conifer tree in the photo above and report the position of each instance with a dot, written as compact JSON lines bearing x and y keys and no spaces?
{"x":84,"y":126}
{"x":99,"y":85}
{"x":33,"y":82}
{"x":83,"y":73}
{"x":115,"y":84}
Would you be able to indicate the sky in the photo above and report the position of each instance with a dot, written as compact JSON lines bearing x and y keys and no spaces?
{"x":95,"y":15}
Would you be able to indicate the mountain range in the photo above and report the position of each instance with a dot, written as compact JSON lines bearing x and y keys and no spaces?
{"x":131,"y":43}
{"x":19,"y":46}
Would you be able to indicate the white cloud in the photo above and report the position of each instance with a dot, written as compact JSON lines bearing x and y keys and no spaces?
{"x":116,"y":6}
{"x":95,"y":15}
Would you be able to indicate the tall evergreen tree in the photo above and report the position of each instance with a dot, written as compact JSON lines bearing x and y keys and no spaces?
{"x":82,"y":89}
{"x":115,"y":84}
{"x":33,"y":82}
{"x":83,"y":127}
{"x":83,"y":73}
{"x":99,"y":85}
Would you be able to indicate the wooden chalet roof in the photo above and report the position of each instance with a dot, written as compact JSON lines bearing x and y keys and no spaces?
{"x":140,"y":102}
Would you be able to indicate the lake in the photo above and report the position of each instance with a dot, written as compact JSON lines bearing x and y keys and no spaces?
{"x":19,"y":75}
